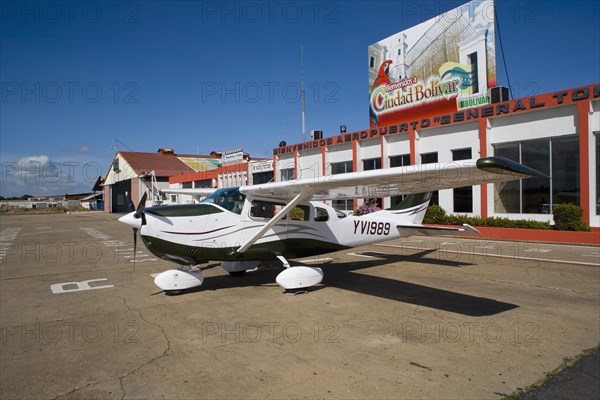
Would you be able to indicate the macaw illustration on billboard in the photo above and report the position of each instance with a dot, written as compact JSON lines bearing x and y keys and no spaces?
{"x":441,"y":65}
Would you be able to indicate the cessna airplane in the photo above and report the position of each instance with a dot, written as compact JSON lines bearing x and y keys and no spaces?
{"x":241,"y":227}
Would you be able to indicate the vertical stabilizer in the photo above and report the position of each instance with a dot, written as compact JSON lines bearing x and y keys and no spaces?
{"x":413,"y":207}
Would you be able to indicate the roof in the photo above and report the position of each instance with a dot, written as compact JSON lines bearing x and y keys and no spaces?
{"x":163,"y":164}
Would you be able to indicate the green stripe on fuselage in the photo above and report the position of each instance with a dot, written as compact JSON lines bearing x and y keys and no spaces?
{"x":184,"y":210}
{"x":289,"y":248}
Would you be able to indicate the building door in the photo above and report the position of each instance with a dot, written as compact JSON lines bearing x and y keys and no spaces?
{"x":120,"y":203}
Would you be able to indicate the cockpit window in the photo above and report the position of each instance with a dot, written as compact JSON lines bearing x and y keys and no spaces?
{"x":340,"y":214}
{"x":229,"y":198}
{"x":321,"y":214}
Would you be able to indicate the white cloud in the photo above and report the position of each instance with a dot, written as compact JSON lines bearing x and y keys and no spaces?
{"x":77,"y":150}
{"x":40,"y":174}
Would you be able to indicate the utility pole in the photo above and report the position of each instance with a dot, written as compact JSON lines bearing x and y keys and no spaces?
{"x":302,"y":91}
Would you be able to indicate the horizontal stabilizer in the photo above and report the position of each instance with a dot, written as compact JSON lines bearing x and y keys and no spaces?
{"x":465,"y":230}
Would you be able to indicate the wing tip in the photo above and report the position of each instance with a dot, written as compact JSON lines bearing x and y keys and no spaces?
{"x":500,"y":165}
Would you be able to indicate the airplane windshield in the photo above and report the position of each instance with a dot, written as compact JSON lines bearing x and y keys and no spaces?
{"x":229,"y":198}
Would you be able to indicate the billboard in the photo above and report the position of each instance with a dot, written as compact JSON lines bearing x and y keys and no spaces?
{"x":234,"y":156}
{"x":441,"y":65}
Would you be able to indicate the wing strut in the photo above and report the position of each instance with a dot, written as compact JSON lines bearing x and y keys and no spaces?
{"x":295,"y":201}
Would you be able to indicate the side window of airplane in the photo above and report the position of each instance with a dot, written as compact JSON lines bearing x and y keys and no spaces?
{"x":262,"y":209}
{"x":268,"y":209}
{"x":321,"y":214}
{"x":300,"y":213}
{"x":265,"y":209}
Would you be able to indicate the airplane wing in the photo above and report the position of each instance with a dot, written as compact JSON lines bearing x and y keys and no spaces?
{"x":200,"y":192}
{"x":397,"y":181}
{"x":390,"y":182}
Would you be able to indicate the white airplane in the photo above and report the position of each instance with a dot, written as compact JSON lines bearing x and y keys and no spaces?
{"x":241,"y":227}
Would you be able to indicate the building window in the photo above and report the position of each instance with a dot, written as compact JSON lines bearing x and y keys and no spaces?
{"x":474,"y":73}
{"x":429,"y":158}
{"x":372,"y":62}
{"x":398,"y":161}
{"x":558,"y":157}
{"x":463,"y":196}
{"x":345,"y":205}
{"x":287,"y":174}
{"x":341,"y":167}
{"x":371,"y":164}
{"x":186,"y":185}
{"x":262,"y":177}
{"x":203,"y":183}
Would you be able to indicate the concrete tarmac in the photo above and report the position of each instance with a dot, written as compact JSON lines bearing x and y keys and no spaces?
{"x":408,"y":319}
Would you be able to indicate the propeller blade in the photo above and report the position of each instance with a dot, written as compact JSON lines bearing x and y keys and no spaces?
{"x":134,"y":245}
{"x":129,"y":202}
{"x":142,"y":204}
{"x":139,"y":211}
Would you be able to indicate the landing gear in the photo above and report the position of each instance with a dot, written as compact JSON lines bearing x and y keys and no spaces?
{"x":174,"y":281}
{"x":239,"y":268}
{"x":294,"y":278}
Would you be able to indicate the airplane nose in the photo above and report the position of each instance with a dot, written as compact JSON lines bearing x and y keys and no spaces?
{"x":131,"y":220}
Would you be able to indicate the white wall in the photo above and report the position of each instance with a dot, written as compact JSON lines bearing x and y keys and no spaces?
{"x":368,"y":149}
{"x":444,"y":139}
{"x":125,"y":172}
{"x":394,"y":145}
{"x":556,"y":121}
{"x":594,"y":126}
{"x":310,"y":163}
{"x":338,"y":153}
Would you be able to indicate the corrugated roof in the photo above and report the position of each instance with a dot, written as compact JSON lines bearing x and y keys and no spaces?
{"x":163,"y":164}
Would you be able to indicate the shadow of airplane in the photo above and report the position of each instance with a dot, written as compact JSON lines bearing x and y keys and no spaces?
{"x":344,"y":275}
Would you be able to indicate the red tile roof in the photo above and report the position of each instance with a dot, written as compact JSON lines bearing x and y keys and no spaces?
{"x":163,"y":164}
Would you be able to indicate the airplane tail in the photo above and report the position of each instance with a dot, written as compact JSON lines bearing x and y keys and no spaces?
{"x":412,"y":211}
{"x":413,"y":207}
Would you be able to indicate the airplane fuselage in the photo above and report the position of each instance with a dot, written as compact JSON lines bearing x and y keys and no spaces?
{"x":198,"y":233}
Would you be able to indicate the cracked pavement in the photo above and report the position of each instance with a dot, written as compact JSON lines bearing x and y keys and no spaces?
{"x":421,"y":318}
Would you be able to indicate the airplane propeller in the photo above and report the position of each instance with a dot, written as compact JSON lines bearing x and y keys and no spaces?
{"x":139,"y":213}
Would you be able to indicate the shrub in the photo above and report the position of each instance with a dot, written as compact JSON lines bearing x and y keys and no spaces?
{"x":435,"y":215}
{"x":567,"y":217}
{"x":369,"y":206}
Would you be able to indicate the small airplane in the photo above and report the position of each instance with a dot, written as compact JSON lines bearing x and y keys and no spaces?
{"x":244,"y":226}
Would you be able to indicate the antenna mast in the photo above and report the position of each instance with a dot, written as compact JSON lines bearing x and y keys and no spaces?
{"x":302,"y":91}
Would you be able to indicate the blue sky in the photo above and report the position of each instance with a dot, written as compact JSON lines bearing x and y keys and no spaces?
{"x":79,"y":79}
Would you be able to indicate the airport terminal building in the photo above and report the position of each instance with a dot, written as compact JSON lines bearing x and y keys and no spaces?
{"x":556,"y":133}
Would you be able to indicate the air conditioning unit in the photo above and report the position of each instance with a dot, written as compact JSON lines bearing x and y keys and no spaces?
{"x":499,"y":94}
{"x":316,"y":135}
